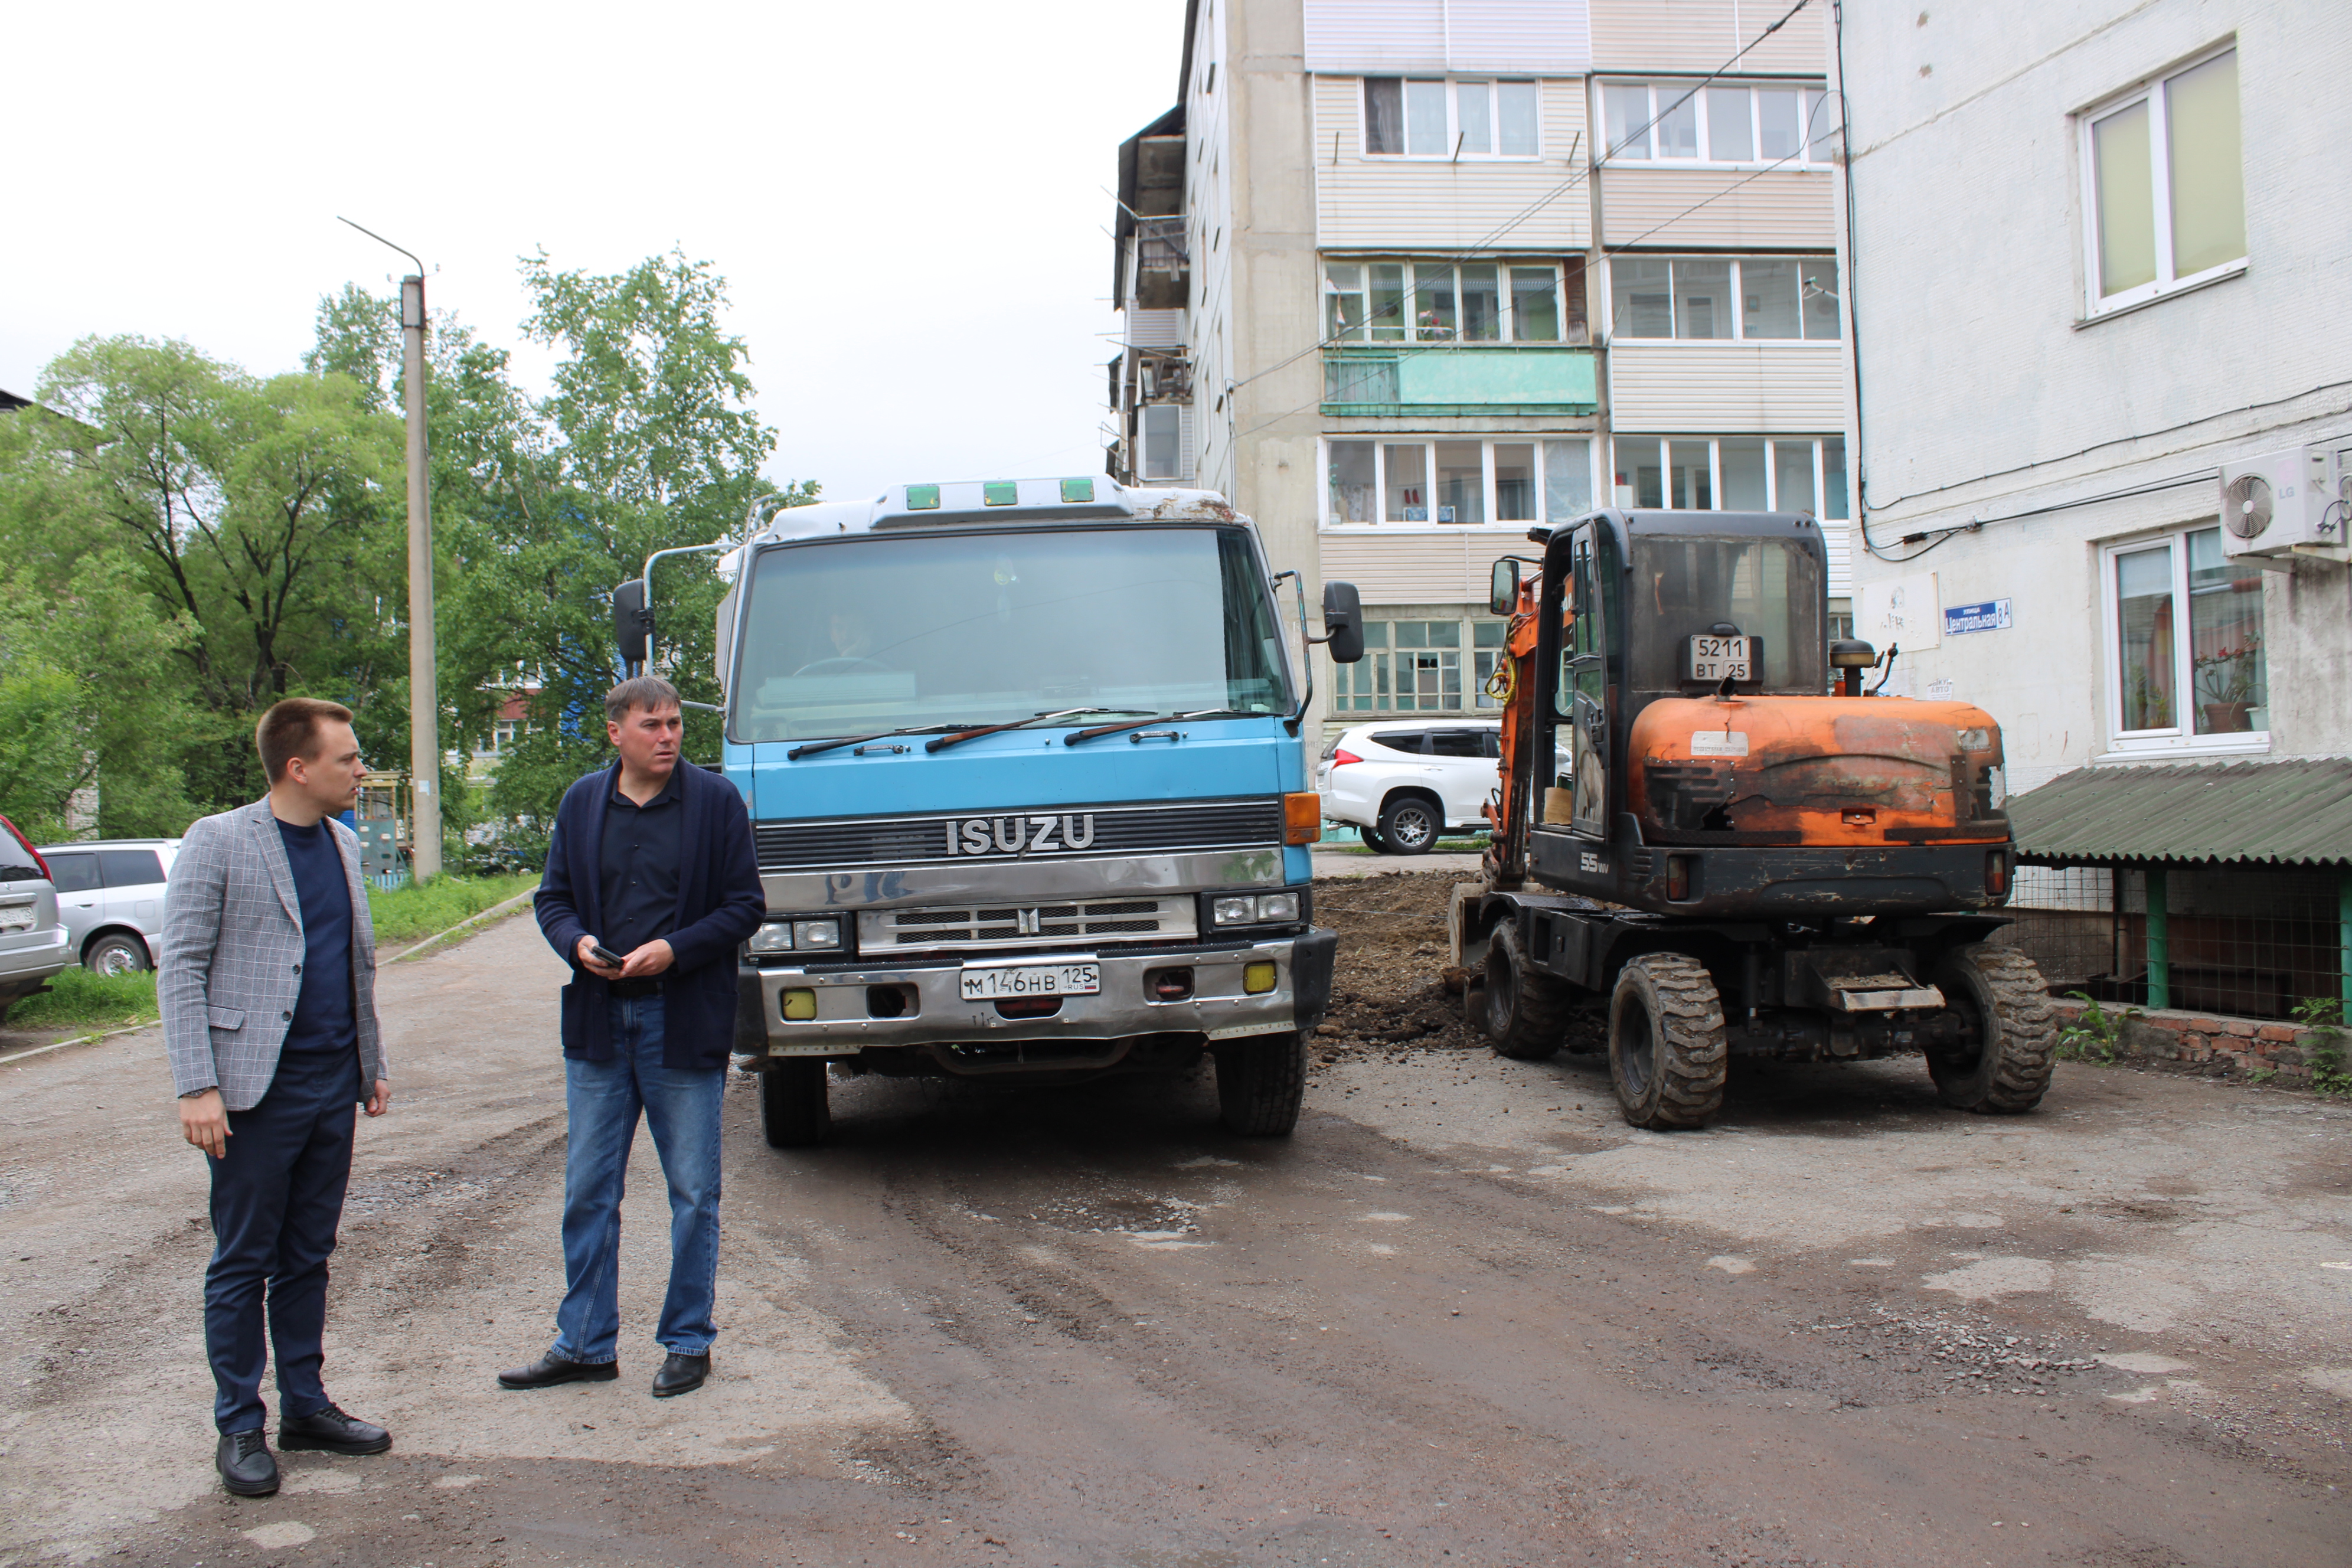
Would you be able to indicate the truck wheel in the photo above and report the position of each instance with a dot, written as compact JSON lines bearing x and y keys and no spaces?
{"x":1260,"y":1081}
{"x":1667,"y":1051}
{"x":116,"y":954}
{"x":793,"y":1109}
{"x":1527,"y":1012}
{"x":1999,"y":994}
{"x":1409,"y":825}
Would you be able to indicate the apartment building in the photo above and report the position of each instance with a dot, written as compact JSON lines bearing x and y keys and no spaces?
{"x":2098,"y":286}
{"x":1406,"y":278}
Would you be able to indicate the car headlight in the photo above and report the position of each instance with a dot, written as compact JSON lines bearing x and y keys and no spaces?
{"x":776,"y":936}
{"x":1255,"y":909}
{"x":816,"y":933}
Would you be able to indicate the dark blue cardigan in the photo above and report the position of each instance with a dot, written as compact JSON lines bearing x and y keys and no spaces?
{"x":720,"y":904}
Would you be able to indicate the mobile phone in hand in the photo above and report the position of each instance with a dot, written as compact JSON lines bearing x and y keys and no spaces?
{"x":604,"y":954}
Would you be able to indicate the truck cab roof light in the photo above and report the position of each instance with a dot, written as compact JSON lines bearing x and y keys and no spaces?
{"x":922,"y":497}
{"x":1077,"y":490}
{"x":1001,"y":492}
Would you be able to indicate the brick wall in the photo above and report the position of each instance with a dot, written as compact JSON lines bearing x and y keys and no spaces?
{"x":2173,"y":1035}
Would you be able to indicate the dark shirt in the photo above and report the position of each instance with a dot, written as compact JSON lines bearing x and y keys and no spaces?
{"x":323,"y":1016}
{"x":640,"y":866}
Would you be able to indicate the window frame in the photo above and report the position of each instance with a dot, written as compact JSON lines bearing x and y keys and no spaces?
{"x":2181,"y":736}
{"x":1507,"y":316}
{"x":2151,"y":91}
{"x":1452,"y":85}
{"x":1380,"y":441}
{"x":1813,"y":95}
{"x":1469,"y":676}
{"x":1818,"y":441}
{"x":1738,"y":299}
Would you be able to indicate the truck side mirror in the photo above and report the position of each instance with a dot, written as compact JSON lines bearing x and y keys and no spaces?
{"x":632,"y":623}
{"x":1343,"y":622}
{"x":1503,"y":593}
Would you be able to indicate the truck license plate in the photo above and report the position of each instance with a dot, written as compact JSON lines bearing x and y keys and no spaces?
{"x":1713,"y":657}
{"x":1032,"y":980}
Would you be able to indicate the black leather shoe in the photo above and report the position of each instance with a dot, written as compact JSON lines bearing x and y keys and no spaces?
{"x":680,"y":1375}
{"x":247,"y":1467}
{"x":333,"y":1430}
{"x":551,"y":1368}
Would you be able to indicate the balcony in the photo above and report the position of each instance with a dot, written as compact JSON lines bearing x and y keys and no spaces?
{"x":1407,"y":380}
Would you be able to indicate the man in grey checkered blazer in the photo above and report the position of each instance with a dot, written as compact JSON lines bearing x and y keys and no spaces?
{"x":268,"y":988}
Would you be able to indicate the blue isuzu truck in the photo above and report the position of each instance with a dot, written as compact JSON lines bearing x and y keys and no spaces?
{"x":1024,"y":766}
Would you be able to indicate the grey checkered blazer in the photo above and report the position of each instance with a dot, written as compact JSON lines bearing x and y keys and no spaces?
{"x":232,"y":954}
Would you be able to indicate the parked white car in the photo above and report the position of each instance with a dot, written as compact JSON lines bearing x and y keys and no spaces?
{"x":33,"y":946}
{"x":111,"y":896}
{"x":1405,"y":783}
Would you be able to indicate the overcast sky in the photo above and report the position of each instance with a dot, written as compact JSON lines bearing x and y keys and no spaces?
{"x":907,"y":200}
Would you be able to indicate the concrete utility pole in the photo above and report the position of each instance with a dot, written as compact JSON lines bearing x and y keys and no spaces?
{"x":424,"y":665}
{"x":424,"y":677}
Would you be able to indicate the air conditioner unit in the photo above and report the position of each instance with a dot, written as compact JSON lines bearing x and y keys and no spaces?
{"x":2281,"y":504}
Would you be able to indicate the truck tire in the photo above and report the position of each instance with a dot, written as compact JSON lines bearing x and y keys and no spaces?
{"x":1409,"y":825}
{"x":116,"y":954}
{"x":1999,"y":993}
{"x":1527,"y":1012}
{"x":793,"y":1109}
{"x":1260,"y":1082}
{"x":1666,"y":1050}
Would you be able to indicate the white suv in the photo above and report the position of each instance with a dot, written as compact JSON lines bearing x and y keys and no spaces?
{"x":1405,"y":783}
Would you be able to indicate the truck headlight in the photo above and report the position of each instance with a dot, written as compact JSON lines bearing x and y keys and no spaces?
{"x":808,"y":935}
{"x":1255,"y":909}
{"x":776,"y":936}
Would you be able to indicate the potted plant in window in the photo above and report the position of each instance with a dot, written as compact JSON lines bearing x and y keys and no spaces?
{"x":2225,"y":687}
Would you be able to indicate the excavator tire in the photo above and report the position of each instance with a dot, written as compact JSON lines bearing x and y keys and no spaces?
{"x":1261,"y":1081}
{"x":1527,"y":1012}
{"x":793,"y":1112}
{"x":2001,"y":993}
{"x":1667,"y":1051}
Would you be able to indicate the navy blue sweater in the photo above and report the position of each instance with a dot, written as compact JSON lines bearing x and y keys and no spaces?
{"x":720,"y":905}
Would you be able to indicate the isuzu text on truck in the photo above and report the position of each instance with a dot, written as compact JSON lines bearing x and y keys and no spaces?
{"x":1023,"y":770}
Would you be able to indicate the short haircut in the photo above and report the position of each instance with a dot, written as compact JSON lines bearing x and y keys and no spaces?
{"x":650,"y":692}
{"x":290,"y":730}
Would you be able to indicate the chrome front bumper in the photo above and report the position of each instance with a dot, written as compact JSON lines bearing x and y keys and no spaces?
{"x":1218,"y":1008}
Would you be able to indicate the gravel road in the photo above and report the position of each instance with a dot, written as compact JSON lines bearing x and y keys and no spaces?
{"x":1466,"y":1315}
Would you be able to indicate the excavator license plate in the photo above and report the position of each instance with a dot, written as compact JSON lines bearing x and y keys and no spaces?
{"x":1713,"y":657}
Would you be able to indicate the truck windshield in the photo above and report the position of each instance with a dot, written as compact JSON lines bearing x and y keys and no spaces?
{"x":1681,"y":588}
{"x":882,"y":633}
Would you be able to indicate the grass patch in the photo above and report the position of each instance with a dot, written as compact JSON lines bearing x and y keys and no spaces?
{"x":408,"y":915}
{"x":77,"y":999}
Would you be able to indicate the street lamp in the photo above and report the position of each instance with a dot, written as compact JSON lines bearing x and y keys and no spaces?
{"x":424,"y":679}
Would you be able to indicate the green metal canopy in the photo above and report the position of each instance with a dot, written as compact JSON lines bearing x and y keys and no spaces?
{"x":2292,"y":812}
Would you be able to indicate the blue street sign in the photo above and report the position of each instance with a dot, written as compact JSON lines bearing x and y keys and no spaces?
{"x":1992,"y":616}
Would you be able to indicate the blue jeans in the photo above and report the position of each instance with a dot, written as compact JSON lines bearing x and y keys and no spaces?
{"x":602,"y":1101}
{"x":277,"y":1199}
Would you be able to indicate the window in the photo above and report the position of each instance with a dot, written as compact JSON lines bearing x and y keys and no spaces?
{"x":129,"y":867}
{"x":1756,"y":298}
{"x":1416,"y":666}
{"x":73,"y":873}
{"x":1674,"y":122}
{"x":1733,"y":473}
{"x":1412,"y":116}
{"x":2166,"y":689}
{"x":1163,"y":439}
{"x":1512,"y":479}
{"x":1440,"y":302}
{"x":2168,"y":204}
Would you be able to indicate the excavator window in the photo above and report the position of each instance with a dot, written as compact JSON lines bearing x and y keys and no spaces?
{"x":1687,"y":585}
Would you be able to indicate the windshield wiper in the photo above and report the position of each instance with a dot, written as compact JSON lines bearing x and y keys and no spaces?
{"x":1073,"y":738}
{"x":945,"y":741}
{"x":812,"y":747}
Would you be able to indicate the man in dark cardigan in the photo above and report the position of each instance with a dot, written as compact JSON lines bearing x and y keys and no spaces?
{"x":651,"y":887}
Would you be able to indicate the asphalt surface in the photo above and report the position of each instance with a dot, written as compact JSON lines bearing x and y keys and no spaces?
{"x":1465,"y":1315}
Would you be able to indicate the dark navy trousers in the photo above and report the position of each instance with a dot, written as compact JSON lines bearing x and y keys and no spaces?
{"x":278,"y":1196}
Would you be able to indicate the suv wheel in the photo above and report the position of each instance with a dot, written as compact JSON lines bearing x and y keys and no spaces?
{"x":1411,"y":825}
{"x":116,"y":954}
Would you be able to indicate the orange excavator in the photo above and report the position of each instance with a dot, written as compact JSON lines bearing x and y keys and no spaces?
{"x":1735,"y":860}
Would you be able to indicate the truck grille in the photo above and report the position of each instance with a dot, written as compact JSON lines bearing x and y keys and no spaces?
{"x":1028,"y":925}
{"x":1008,"y":834}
